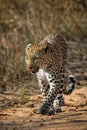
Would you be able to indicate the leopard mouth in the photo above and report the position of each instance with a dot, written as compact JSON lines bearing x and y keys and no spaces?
{"x":33,"y":70}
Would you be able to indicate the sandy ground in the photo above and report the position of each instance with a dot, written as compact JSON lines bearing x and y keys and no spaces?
{"x":25,"y":117}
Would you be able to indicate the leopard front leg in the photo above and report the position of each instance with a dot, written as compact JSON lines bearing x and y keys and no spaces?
{"x":44,"y":85}
{"x":58,"y":103}
{"x":48,"y":102}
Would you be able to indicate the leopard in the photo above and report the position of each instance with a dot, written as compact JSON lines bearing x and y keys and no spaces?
{"x":48,"y":61}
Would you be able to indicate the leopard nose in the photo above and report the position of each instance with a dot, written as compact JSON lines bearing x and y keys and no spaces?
{"x":30,"y":67}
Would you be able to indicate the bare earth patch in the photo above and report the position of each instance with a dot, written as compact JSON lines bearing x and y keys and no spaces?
{"x":25,"y":117}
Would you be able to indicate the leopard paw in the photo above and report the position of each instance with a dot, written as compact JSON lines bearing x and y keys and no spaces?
{"x":44,"y":111}
{"x":57,"y":110}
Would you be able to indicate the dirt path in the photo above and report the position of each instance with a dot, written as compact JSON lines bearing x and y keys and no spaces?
{"x":73,"y":116}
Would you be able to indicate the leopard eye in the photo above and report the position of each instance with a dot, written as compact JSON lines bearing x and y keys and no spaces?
{"x":37,"y":55}
{"x":34,"y":59}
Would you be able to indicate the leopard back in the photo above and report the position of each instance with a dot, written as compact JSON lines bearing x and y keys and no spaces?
{"x":50,"y":54}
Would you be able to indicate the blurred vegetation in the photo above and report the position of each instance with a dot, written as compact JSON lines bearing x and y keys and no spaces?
{"x":29,"y":21}
{"x":23,"y":94}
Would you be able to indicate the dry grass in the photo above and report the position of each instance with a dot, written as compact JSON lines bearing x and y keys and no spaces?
{"x":27,"y":21}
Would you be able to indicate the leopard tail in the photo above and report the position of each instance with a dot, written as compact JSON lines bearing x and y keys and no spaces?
{"x":71,"y":87}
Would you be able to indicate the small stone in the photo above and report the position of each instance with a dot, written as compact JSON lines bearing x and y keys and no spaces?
{"x":41,"y":124}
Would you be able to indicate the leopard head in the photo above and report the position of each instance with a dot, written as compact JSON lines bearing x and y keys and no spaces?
{"x":49,"y":54}
{"x":37,"y":56}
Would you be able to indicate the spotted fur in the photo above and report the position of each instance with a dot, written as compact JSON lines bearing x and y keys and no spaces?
{"x":48,"y":60}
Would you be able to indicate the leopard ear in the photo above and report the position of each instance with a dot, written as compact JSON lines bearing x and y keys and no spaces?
{"x":28,"y":45}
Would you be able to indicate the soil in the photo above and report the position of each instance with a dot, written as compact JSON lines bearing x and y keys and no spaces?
{"x":15,"y":116}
